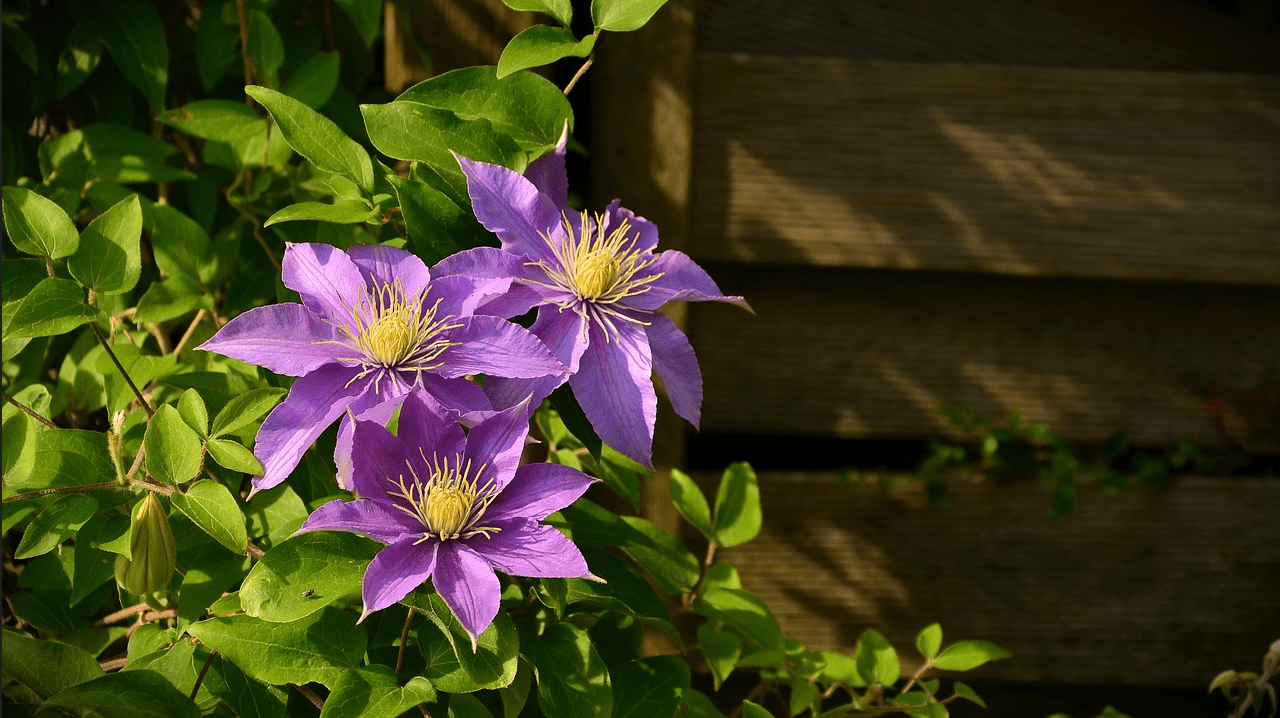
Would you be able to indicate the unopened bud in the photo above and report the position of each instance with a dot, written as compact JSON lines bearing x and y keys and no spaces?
{"x":153,"y":549}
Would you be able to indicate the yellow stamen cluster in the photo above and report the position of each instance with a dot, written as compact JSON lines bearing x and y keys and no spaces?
{"x":450,"y":502}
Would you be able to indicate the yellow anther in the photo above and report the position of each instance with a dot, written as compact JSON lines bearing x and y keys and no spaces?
{"x":390,"y":339}
{"x":596,"y":273}
{"x":446,"y":509}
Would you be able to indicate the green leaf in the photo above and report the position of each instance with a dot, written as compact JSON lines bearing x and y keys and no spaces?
{"x":722,"y":649}
{"x":929,"y":640}
{"x":438,"y":225}
{"x":320,"y":647}
{"x":21,"y":434}
{"x":802,"y":697}
{"x":624,"y":590}
{"x":648,"y":687}
{"x":216,"y":42}
{"x":245,"y":409}
{"x":306,"y":573}
{"x":211,"y":506}
{"x":170,"y":299}
{"x":566,"y":405}
{"x":374,"y":692}
{"x":109,"y":260}
{"x":316,"y":137}
{"x":672,"y":567}
{"x":80,"y":56}
{"x":180,"y":244}
{"x":275,"y":514}
{"x":696,"y":704}
{"x":214,"y":119}
{"x":743,"y":612}
{"x":127,"y":694}
{"x":515,"y":696}
{"x":452,"y":665}
{"x":691,"y":503}
{"x":619,"y":472}
{"x":343,"y":211}
{"x":265,"y":48}
{"x":573,"y":681}
{"x":135,"y":34}
{"x":247,"y":697}
{"x":234,"y":456}
{"x":967,"y":655}
{"x":192,"y":410}
{"x":413,"y":131}
{"x":37,"y":225}
{"x":17,"y":40}
{"x":56,"y":524}
{"x":366,"y":15}
{"x":173,"y":449}
{"x":968,"y":693}
{"x":623,"y":15}
{"x":465,"y":705}
{"x":124,"y":155}
{"x":738,"y":516}
{"x":751,"y":710}
{"x":314,"y":81}
{"x":837,"y":667}
{"x":541,"y":45}
{"x":55,"y":306}
{"x":877,"y":661}
{"x":561,"y":10}
{"x":45,"y":667}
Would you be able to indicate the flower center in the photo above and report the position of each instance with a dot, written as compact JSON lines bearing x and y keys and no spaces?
{"x":596,"y":274}
{"x":450,"y":502}
{"x":389,"y":339}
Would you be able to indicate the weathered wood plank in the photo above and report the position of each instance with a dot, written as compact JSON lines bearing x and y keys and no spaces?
{"x":1160,"y":588}
{"x":454,"y":34}
{"x":867,"y":354}
{"x":1026,"y":171}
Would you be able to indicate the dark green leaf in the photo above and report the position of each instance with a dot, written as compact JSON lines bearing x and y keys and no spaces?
{"x":691,"y":503}
{"x":738,"y":516}
{"x":316,"y":137}
{"x":320,"y":647}
{"x":265,"y":49}
{"x":751,"y":710}
{"x":929,"y":640}
{"x":17,"y":40}
{"x":373,"y":692}
{"x":216,"y":42}
{"x":541,"y":45}
{"x":128,"y":694}
{"x":80,"y":56}
{"x":452,"y":665}
{"x":672,"y":567}
{"x":46,"y":667}
{"x":306,"y":573}
{"x":55,"y":306}
{"x":876,"y":659}
{"x":619,"y":472}
{"x":37,"y":225}
{"x":135,"y":34}
{"x":314,"y":81}
{"x":695,"y":704}
{"x":413,"y":131}
{"x":109,"y":259}
{"x":803,"y":696}
{"x":366,"y":15}
{"x":55,"y":524}
{"x":275,"y":514}
{"x":211,"y":506}
{"x":214,"y":119}
{"x":343,"y":211}
{"x":721,"y":650}
{"x":575,"y":421}
{"x":124,"y":155}
{"x":649,"y":687}
{"x":19,"y":445}
{"x":967,"y":655}
{"x":969,"y":694}
{"x":515,"y":696}
{"x":181,"y":245}
{"x":561,"y":10}
{"x":438,"y":226}
{"x":465,"y":705}
{"x":573,"y":681}
{"x":173,"y":449}
{"x":623,"y":590}
{"x":744,"y":613}
{"x":247,"y":697}
{"x":623,"y":15}
{"x":245,"y":409}
{"x":170,"y":299}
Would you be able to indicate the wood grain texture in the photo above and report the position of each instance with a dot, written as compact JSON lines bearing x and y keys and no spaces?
{"x":453,"y":34}
{"x":874,"y":354}
{"x":1016,"y":170}
{"x":1159,"y":588}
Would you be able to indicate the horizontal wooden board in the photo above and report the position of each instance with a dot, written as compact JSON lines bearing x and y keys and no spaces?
{"x":1015,"y":170}
{"x":1159,"y":588}
{"x":874,"y":354}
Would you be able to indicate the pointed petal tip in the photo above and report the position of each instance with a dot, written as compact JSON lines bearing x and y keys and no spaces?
{"x":592,"y":577}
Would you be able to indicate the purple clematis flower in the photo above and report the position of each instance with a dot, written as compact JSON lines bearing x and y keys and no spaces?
{"x":373,"y":323}
{"x":599,"y":284}
{"x":454,"y":508}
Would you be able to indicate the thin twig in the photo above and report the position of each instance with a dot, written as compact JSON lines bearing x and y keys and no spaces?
{"x":581,"y":71}
{"x":107,"y":347}
{"x":200,"y":678}
{"x":310,"y":695}
{"x":404,"y":641}
{"x":114,"y":664}
{"x":120,"y":615}
{"x":191,"y":329}
{"x":330,"y":38}
{"x":29,"y":411}
{"x":137,"y":462}
{"x":242,"y":14}
{"x":253,"y":550}
{"x":64,"y":490}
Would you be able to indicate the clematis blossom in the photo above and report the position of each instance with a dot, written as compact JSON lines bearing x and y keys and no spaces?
{"x":373,"y":323}
{"x":598,"y":284}
{"x":453,"y":508}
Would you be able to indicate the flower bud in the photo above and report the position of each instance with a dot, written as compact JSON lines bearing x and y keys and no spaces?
{"x":153,"y":549}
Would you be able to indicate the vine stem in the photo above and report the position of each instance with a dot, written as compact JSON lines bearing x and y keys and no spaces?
{"x":114,"y":664}
{"x":404,"y":641}
{"x":107,"y":347}
{"x":120,"y":615}
{"x":242,"y":14}
{"x":157,"y":488}
{"x":29,"y":411}
{"x":203,"y":670}
{"x":310,"y":695}
{"x":581,"y":71}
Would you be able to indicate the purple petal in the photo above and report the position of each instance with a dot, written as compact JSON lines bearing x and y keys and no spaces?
{"x":510,"y":206}
{"x":379,"y":461}
{"x":547,"y":172}
{"x":329,"y":282}
{"x":313,"y":403}
{"x":496,"y":347}
{"x":458,"y":395}
{"x":644,"y":233}
{"x":397,"y":570}
{"x":537,"y":491}
{"x":279,"y":337}
{"x":498,"y":442}
{"x":424,"y":429}
{"x":370,"y":406}
{"x":526,"y":548}
{"x":490,"y":263}
{"x":467,"y":583}
{"x":460,"y":295}
{"x":382,"y":265}
{"x":681,"y":279}
{"x":369,"y":518}
{"x":614,"y":389}
{"x":563,"y":333}
{"x":677,"y":367}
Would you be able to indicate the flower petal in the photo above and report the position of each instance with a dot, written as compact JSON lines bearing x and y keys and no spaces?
{"x":565,"y":336}
{"x":491,"y":263}
{"x":547,"y":173}
{"x":383,"y":265}
{"x":683,"y":279}
{"x":537,"y":491}
{"x":510,"y":206}
{"x":279,"y":337}
{"x":397,"y":570}
{"x":643,"y":232}
{"x":424,"y":428}
{"x":496,"y":347}
{"x":614,"y":388}
{"x":313,"y":403}
{"x":523,"y":547}
{"x":370,"y":406}
{"x":676,"y":366}
{"x":459,"y":295}
{"x":499,"y":440}
{"x":379,"y":461}
{"x":369,"y":518}
{"x":467,"y":583}
{"x":458,"y":395}
{"x":325,"y":276}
